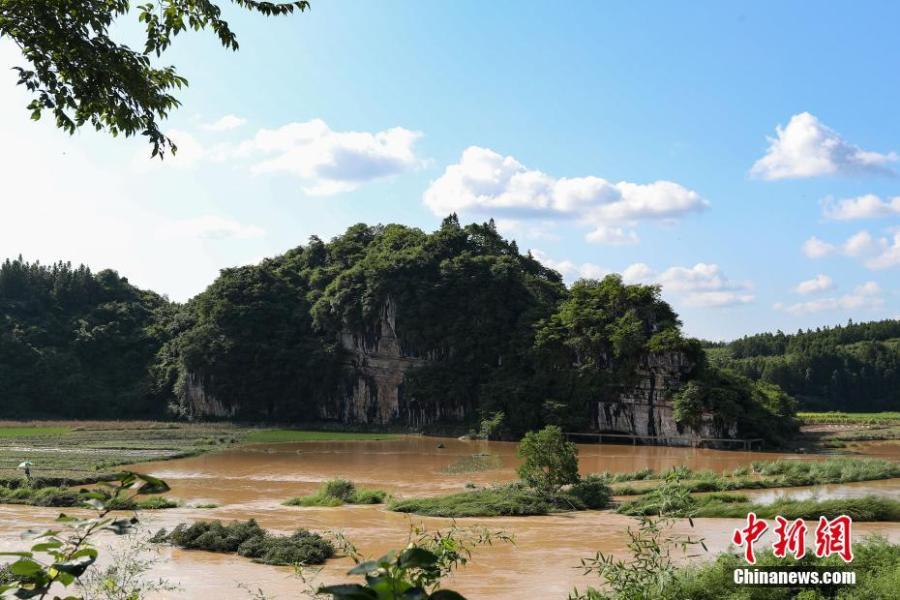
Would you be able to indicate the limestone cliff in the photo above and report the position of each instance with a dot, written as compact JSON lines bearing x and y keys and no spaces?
{"x":376,"y":364}
{"x":645,"y":408}
{"x":376,"y":367}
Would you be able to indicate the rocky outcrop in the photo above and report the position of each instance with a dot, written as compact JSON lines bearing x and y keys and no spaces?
{"x":376,"y":368}
{"x":198,"y":401}
{"x":645,"y":408}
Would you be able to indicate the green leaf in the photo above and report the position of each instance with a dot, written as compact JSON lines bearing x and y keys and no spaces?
{"x":44,"y":546}
{"x":25,"y":567}
{"x":446,"y":595}
{"x":363,"y":568}
{"x":75,"y":567}
{"x":417,"y":557}
{"x":349,"y":591}
{"x":151,"y":485}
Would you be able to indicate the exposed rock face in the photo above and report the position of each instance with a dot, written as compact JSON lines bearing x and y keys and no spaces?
{"x":377,"y":364}
{"x":376,"y":369}
{"x":646,"y":408}
{"x":199,"y":402}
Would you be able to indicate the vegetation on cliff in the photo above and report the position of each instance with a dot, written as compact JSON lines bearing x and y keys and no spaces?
{"x":493,"y":329}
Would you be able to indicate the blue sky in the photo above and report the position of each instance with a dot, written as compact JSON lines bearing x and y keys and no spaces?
{"x":629,"y":137}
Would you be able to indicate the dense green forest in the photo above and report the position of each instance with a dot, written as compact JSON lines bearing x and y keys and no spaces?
{"x":75,"y":343}
{"x":853,"y":367}
{"x":499,"y":332}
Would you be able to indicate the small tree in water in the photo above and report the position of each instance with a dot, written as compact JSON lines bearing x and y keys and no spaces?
{"x":550,"y":461}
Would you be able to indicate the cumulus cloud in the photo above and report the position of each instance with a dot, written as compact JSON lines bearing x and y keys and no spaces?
{"x":569,"y":269}
{"x":874,"y":253}
{"x":864,"y":297}
{"x":326,"y":161}
{"x":808,"y":148}
{"x":818,"y":284}
{"x":210,"y":227}
{"x":226,"y":123}
{"x":330,"y":161}
{"x":486,"y":182}
{"x":816,"y":248}
{"x":868,"y":206}
{"x":703,"y":285}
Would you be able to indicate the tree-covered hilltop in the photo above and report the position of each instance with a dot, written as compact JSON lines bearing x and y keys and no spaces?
{"x":854,"y":367}
{"x":487,"y":329}
{"x":77,"y":344}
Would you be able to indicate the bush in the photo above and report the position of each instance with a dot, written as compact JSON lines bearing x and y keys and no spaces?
{"x":336,"y":492}
{"x":669,"y":499}
{"x":248,"y":539}
{"x":550,"y":461}
{"x":303,"y":547}
{"x":591,"y":492}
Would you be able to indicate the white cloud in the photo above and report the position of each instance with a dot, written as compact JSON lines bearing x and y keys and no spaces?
{"x":486,"y":182}
{"x":860,"y":244}
{"x":888,"y":255}
{"x":816,"y":248}
{"x":210,"y":227}
{"x":226,"y":123}
{"x":868,"y":206}
{"x":808,"y":148}
{"x":819,"y":283}
{"x":612,"y":236}
{"x":874,"y":253}
{"x":533,"y":230}
{"x":570,"y":270}
{"x":330,"y":161}
{"x":327,"y":162}
{"x":703,"y":285}
{"x":864,"y":297}
{"x":638,"y":273}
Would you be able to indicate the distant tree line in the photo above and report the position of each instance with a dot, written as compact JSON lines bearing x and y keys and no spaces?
{"x":853,"y":367}
{"x":501,"y":333}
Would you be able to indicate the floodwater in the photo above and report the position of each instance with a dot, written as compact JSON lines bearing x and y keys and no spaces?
{"x":252,"y":481}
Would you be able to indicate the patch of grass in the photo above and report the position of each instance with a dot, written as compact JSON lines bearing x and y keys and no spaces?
{"x":768,"y":474}
{"x":36,"y":431}
{"x":508,"y":500}
{"x":844,"y":418}
{"x":82,"y":452}
{"x":337,"y":492}
{"x":248,"y":539}
{"x":474,"y":464}
{"x":296,"y":435}
{"x":675,"y":500}
{"x":65,"y":497}
{"x":207,"y":505}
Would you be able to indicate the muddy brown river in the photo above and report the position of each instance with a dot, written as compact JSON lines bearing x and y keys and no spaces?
{"x":252,"y":481}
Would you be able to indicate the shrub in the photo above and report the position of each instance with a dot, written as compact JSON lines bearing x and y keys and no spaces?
{"x":591,"y":492}
{"x":336,"y":492}
{"x":213,"y":536}
{"x":303,"y":547}
{"x":250,"y":540}
{"x":550,"y":461}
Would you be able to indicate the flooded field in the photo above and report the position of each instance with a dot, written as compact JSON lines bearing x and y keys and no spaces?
{"x":252,"y":481}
